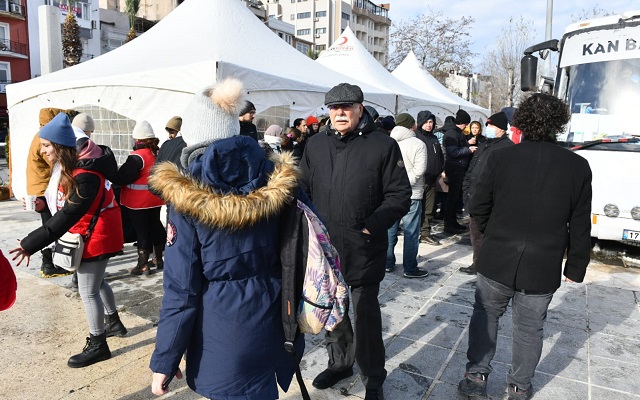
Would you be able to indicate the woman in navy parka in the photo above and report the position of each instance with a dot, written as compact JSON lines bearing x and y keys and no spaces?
{"x":222,"y":276}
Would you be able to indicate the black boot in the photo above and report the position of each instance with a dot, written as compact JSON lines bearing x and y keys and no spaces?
{"x":48,"y":269}
{"x":157,"y":256}
{"x":142,"y":268}
{"x":113,"y":326}
{"x":94,"y":351}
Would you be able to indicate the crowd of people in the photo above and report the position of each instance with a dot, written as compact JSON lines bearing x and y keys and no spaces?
{"x":367,"y":176}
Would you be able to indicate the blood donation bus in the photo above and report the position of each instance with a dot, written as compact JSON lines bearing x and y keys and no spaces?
{"x":598,"y":75}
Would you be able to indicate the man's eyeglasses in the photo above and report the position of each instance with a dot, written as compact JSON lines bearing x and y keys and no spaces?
{"x":345,"y":106}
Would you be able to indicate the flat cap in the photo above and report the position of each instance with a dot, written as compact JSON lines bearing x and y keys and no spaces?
{"x":344,"y":93}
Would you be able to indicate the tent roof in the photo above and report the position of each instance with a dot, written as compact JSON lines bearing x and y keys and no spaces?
{"x":185,"y":51}
{"x":348,"y":55}
{"x":412,"y":72}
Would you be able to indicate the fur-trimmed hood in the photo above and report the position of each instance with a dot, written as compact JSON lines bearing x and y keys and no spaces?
{"x":231,"y":186}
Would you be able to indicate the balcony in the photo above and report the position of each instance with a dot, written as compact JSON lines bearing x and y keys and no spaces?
{"x":9,"y":46}
{"x":11,"y":7}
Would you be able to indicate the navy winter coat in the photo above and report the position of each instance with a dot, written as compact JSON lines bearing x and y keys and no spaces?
{"x":222,"y":275}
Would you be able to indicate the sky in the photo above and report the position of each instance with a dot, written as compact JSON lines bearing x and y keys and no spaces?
{"x":489,"y":15}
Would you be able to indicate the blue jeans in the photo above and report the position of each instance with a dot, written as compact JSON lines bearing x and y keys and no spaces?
{"x":411,"y":229}
{"x":529,"y":313}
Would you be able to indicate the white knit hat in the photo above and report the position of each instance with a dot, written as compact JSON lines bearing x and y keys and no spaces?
{"x":143,"y":130}
{"x":212,"y":114}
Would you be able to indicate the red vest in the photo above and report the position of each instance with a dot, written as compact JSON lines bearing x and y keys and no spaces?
{"x":136,"y":195}
{"x":107,"y":236}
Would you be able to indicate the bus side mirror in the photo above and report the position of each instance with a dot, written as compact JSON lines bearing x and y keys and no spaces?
{"x":528,"y":70}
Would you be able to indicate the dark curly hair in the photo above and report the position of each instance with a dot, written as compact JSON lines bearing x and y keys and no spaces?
{"x":541,"y":117}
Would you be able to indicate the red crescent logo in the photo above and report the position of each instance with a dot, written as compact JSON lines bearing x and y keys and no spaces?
{"x":345,"y":40}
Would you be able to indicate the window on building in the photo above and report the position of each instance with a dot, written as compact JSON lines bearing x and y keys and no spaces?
{"x":321,"y":14}
{"x":320,"y":31}
{"x":321,"y":47}
{"x":293,"y":17}
{"x":5,"y":74}
{"x":302,"y":32}
{"x":4,"y":34}
{"x":345,"y":15}
{"x":304,"y":15}
{"x":302,"y":47}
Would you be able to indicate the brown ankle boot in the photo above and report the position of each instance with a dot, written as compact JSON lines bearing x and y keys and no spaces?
{"x":157,"y":256}
{"x":142,"y":268}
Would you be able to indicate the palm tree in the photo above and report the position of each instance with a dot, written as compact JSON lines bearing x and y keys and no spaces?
{"x":131,"y":8}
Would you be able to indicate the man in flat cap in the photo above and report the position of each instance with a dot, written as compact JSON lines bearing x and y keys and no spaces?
{"x":356,"y":178}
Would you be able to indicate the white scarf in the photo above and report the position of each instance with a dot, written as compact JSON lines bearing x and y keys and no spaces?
{"x":51,"y":192}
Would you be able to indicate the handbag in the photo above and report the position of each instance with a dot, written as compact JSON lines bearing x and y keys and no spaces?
{"x":69,"y":248}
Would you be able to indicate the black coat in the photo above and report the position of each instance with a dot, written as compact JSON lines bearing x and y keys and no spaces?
{"x":478,"y":163}
{"x":456,"y":149}
{"x":533,"y":204}
{"x":357,"y":181}
{"x":435,"y":156}
{"x":171,"y":150}
{"x":249,"y":129}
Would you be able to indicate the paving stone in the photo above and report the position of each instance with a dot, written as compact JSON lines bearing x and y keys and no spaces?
{"x":615,"y":348}
{"x":440,"y":324}
{"x":416,"y":358}
{"x":394,"y":321}
{"x":614,"y":374}
{"x":554,"y":387}
{"x":395,"y":301}
{"x":614,"y":325}
{"x":455,"y":295}
{"x":598,"y":393}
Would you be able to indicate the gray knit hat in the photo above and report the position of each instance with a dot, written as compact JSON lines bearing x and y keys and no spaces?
{"x":212,"y":113}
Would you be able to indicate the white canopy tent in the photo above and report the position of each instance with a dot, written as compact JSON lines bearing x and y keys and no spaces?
{"x":154,"y":76}
{"x":348,"y":56}
{"x":413,"y":73}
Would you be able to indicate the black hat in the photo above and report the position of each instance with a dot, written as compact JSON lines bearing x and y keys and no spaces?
{"x":248,"y":107}
{"x":462,"y":117}
{"x":388,"y":122}
{"x":344,"y":93}
{"x":499,"y":120}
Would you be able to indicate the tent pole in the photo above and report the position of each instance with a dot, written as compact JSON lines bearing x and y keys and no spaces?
{"x":396,"y":113}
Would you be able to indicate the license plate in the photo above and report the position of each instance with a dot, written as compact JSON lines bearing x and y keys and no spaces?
{"x":630,"y":235}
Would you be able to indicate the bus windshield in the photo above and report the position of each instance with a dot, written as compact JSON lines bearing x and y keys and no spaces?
{"x":604,"y":98}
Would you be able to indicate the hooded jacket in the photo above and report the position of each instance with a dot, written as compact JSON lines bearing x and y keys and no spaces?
{"x":414,"y":156}
{"x":90,"y":175}
{"x":357,"y":181}
{"x":222,"y":271}
{"x":456,"y":148}
{"x":435,"y":157}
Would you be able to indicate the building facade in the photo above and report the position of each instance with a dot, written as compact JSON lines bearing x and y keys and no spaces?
{"x":87,"y":14}
{"x":14,"y":51}
{"x":321,"y":22}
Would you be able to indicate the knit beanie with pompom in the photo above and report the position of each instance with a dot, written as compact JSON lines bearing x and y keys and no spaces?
{"x":212,"y":114}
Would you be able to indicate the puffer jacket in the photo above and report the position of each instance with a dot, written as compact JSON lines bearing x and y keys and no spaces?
{"x":456,"y":149}
{"x":414,"y":156}
{"x":222,"y":271}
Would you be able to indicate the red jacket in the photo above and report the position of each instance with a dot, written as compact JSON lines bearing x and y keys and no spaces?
{"x":136,"y":195}
{"x":107,"y":236}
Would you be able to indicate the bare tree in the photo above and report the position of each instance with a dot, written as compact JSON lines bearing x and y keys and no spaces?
{"x":439,"y":43}
{"x":588,"y":13}
{"x":501,"y":65}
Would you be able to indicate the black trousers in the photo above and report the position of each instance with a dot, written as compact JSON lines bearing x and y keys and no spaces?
{"x":454,"y":180}
{"x":148,"y":227}
{"x":367,"y":347}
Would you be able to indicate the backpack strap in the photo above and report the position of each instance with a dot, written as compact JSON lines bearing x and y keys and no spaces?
{"x":292,"y":233}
